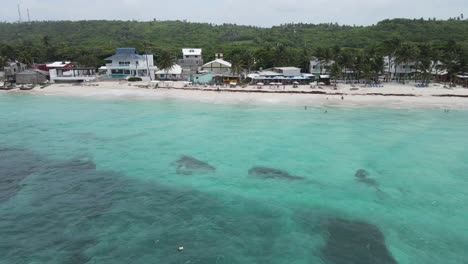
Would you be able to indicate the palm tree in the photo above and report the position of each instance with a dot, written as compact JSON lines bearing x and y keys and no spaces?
{"x":407,"y":53}
{"x":305,"y":57}
{"x":147,"y":46}
{"x":280,"y":55}
{"x":238,"y":64}
{"x":453,"y":60}
{"x":335,"y":72}
{"x":166,"y":61}
{"x":358,"y":65}
{"x":424,"y":64}
{"x":377,"y":65}
{"x":249,"y":60}
{"x":451,"y":63}
{"x":364,"y":66}
{"x":3,"y":61}
{"x":390,"y":47}
{"x":345,"y":61}
{"x":50,"y":50}
{"x":435,"y":58}
{"x":324,"y":56}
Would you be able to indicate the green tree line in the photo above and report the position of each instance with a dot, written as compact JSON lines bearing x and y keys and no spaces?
{"x":89,"y":42}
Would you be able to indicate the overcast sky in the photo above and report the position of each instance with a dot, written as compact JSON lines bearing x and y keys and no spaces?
{"x":245,"y":12}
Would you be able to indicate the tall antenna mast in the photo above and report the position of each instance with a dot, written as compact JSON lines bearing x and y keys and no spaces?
{"x":19,"y":12}
{"x":29,"y":18}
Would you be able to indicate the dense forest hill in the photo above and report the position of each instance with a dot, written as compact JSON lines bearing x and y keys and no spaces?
{"x":91,"y":41}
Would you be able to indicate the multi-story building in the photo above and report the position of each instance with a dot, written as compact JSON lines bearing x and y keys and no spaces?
{"x":12,"y":68}
{"x":191,"y":62}
{"x":395,"y":70}
{"x":127,"y":63}
{"x":318,"y":68}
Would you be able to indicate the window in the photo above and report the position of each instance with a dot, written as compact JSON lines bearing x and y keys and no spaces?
{"x":196,"y":56}
{"x":124,"y":63}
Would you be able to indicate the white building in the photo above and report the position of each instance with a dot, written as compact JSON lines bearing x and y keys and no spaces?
{"x":72,"y":75}
{"x":288,"y":71}
{"x":283,"y":75}
{"x":191,"y":62}
{"x":173,"y":74}
{"x":318,"y":68}
{"x":399,"y":70}
{"x":126,"y":62}
{"x":59,"y":65}
{"x":218,"y":66}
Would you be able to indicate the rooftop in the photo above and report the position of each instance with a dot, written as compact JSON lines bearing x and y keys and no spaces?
{"x":220,"y":61}
{"x":125,"y":54}
{"x":268,"y":73}
{"x":58,"y":64}
{"x":176,"y":69}
{"x":193,"y":52}
{"x":34,"y":71}
{"x":288,"y":68}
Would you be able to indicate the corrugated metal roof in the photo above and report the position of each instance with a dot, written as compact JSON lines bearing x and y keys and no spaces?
{"x":288,"y":68}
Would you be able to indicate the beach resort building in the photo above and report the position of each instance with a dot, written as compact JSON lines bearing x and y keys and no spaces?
{"x":218,"y":66}
{"x":173,"y":74}
{"x":191,"y":62}
{"x":318,"y":67}
{"x":288,"y":71}
{"x":396,"y":70}
{"x":282,"y":75}
{"x":54,"y":65}
{"x":127,"y":63}
{"x":72,"y":75}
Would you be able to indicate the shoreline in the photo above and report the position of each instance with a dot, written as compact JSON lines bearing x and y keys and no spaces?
{"x":392,"y":96}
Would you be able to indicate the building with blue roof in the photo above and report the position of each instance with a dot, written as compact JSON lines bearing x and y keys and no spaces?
{"x":127,"y":63}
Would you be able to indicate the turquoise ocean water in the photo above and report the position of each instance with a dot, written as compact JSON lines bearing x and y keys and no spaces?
{"x":95,"y":181}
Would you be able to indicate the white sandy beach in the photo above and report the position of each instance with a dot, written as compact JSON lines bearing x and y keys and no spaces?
{"x":390,"y":96}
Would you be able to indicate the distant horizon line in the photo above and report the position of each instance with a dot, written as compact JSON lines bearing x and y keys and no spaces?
{"x":235,"y":24}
